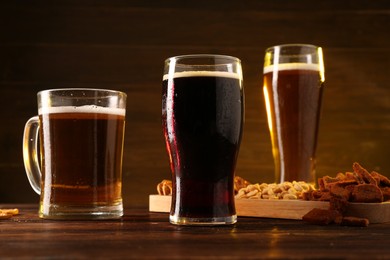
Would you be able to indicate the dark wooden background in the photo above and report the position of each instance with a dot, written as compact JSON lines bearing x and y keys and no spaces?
{"x":122,"y":45}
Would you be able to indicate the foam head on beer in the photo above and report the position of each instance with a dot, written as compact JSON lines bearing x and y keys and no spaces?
{"x":184,"y":74}
{"x":291,"y":66}
{"x":90,"y":109}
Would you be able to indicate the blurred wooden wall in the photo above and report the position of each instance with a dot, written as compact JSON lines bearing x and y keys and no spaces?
{"x":122,"y":45}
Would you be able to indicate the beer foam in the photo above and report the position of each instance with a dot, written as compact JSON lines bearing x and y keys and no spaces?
{"x":291,"y":66}
{"x":82,"y":109}
{"x":183,"y":74}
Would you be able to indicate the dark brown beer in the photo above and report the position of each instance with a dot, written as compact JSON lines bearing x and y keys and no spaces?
{"x":202,"y":122}
{"x":81,"y":154}
{"x":293,"y":100}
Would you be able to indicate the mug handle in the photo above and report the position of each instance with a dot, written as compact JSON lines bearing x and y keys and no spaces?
{"x":30,"y":153}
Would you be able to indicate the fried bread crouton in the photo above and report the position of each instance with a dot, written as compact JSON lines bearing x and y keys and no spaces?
{"x":386,"y":193}
{"x":366,"y":193}
{"x":383,"y":180}
{"x":364,"y":174}
{"x":357,"y":186}
{"x":339,"y":204}
{"x":339,"y":191}
{"x":322,"y":216}
{"x":354,"y":221}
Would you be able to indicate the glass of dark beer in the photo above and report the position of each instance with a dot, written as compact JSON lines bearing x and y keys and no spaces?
{"x":202,"y":117}
{"x":293,"y":85}
{"x":77,"y":168}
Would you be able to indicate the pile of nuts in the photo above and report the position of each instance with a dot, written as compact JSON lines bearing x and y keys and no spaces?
{"x":286,"y":191}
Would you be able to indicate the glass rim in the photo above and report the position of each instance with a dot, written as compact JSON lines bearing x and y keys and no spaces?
{"x":108,"y":91}
{"x":205,"y":55}
{"x":308,"y":45}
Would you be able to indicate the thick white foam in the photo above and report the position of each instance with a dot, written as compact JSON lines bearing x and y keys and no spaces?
{"x":291,"y":66}
{"x":224,"y":74}
{"x":82,"y":109}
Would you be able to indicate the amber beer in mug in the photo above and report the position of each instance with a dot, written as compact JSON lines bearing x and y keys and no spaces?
{"x":79,"y":174}
{"x":202,"y":116}
{"x":293,"y":86}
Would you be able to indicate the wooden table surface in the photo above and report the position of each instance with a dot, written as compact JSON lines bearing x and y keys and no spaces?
{"x":140,"y":234}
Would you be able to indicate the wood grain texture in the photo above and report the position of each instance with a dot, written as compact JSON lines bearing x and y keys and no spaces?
{"x":143,"y":235}
{"x":122,"y":45}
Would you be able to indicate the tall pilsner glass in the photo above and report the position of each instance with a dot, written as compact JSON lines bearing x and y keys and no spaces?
{"x":202,"y":115}
{"x":293,"y":84}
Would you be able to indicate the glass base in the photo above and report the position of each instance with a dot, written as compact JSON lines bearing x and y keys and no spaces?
{"x":71,"y":212}
{"x":202,"y":221}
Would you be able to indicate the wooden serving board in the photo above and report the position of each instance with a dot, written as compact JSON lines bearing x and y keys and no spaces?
{"x":287,"y":209}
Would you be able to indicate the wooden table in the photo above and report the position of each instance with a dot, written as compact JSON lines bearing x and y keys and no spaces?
{"x":140,"y":234}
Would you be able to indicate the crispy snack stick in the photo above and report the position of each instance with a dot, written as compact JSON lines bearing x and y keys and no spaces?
{"x":355,"y":222}
{"x":8,"y":213}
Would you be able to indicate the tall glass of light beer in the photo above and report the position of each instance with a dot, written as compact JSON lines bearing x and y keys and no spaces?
{"x":293,"y":85}
{"x":202,"y":118}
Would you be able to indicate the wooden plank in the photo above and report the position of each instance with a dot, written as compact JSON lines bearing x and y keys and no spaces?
{"x":287,"y":209}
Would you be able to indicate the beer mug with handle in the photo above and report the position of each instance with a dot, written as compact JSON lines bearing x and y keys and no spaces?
{"x":73,"y":153}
